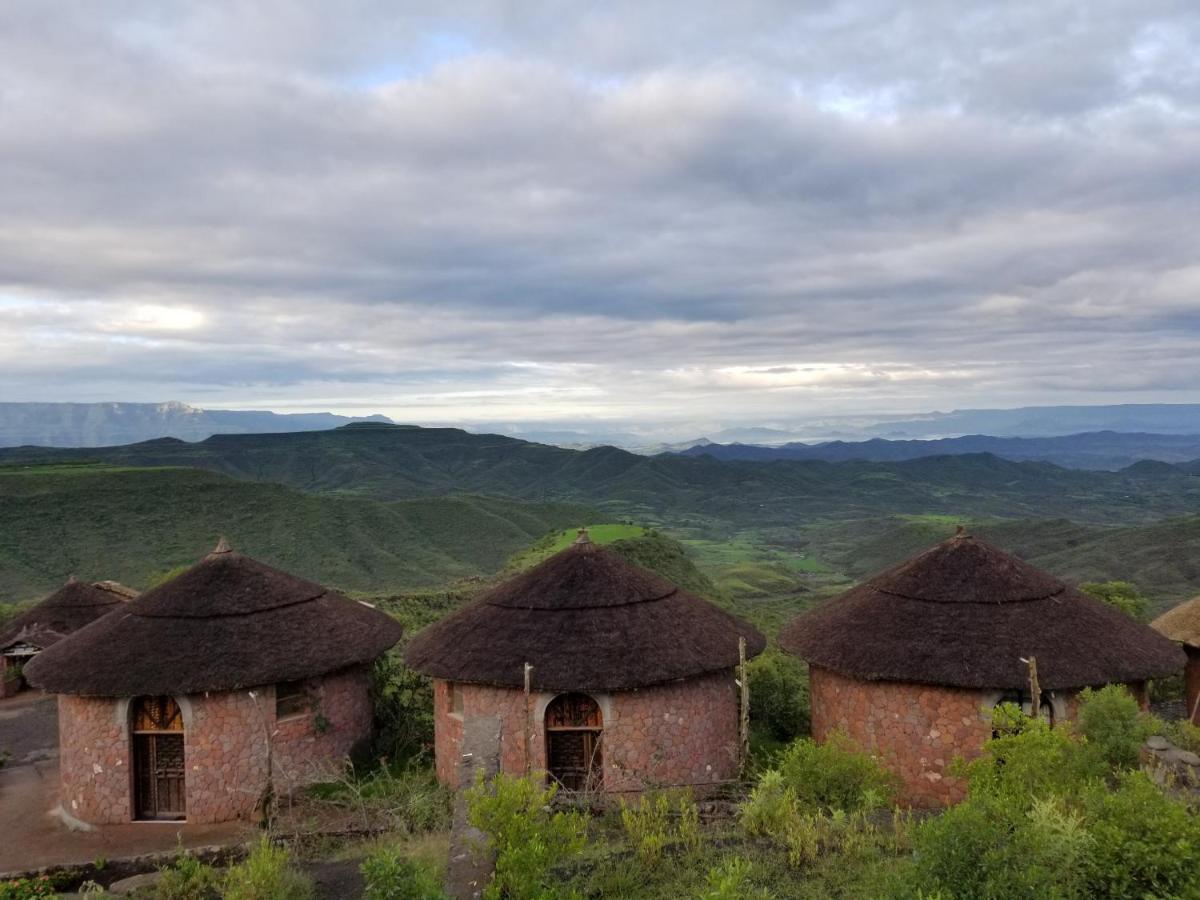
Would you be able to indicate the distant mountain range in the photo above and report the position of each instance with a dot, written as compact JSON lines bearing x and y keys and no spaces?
{"x":1092,"y":450}
{"x":1043,"y":421}
{"x":392,"y":462}
{"x":108,"y":424}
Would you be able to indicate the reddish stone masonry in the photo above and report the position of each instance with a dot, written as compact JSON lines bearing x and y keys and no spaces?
{"x":683,"y":733}
{"x":225,"y":748}
{"x":1192,"y":679}
{"x":916,"y":730}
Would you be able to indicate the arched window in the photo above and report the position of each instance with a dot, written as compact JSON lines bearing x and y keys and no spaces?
{"x":574,"y":728}
{"x":1021,"y":699}
{"x":158,"y":759}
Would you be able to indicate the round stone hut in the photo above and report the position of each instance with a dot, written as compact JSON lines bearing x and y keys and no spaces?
{"x":911,"y":663}
{"x":1182,"y":625}
{"x":203,"y":692}
{"x":631,"y":682}
{"x":75,"y":604}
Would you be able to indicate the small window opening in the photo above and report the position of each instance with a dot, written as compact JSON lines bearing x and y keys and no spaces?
{"x":291,"y":698}
{"x":456,"y":699}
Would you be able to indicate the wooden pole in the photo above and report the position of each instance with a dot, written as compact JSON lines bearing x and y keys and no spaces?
{"x":744,"y":712}
{"x":1035,"y":691}
{"x":528,"y":721}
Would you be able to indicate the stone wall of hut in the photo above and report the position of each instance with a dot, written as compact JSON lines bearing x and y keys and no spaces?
{"x":225,"y":748}
{"x":684,"y":733}
{"x":915,"y":729}
{"x":1192,"y":681}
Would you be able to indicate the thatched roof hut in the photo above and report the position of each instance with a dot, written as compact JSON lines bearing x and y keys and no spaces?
{"x":587,"y":620}
{"x":1181,"y":623}
{"x":226,"y":623}
{"x":964,"y":613}
{"x":71,"y":607}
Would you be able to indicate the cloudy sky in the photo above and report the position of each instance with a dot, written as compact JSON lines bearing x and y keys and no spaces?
{"x":629,"y":212}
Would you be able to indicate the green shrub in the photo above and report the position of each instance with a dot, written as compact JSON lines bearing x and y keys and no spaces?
{"x":835,"y":775}
{"x":403,"y":703}
{"x":731,"y":881}
{"x":1183,"y":734}
{"x":1145,"y":844}
{"x":266,"y":874}
{"x":27,"y":888}
{"x":779,"y":701}
{"x":1046,"y":816}
{"x":1112,"y":723}
{"x":187,"y":879}
{"x":769,"y":807}
{"x":389,"y":875}
{"x":651,"y":825}
{"x":1120,"y":595}
{"x":527,"y":836}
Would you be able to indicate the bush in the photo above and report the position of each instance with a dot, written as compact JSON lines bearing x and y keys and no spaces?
{"x":779,"y":701}
{"x":730,"y":881}
{"x":1112,"y":723}
{"x":651,"y":826}
{"x":1046,"y":816}
{"x":267,"y":874}
{"x":835,"y":775}
{"x":1184,"y":735}
{"x":525,"y":834}
{"x":187,"y":879}
{"x":403,"y":704}
{"x":27,"y":888}
{"x":1120,"y":595}
{"x":389,"y":875}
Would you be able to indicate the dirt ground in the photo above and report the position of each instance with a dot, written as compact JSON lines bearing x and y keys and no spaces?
{"x":32,"y":837}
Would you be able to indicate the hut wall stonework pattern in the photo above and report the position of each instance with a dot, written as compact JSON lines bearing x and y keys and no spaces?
{"x":225,"y":749}
{"x":1192,"y":679}
{"x":674,"y":734}
{"x":93,"y":761}
{"x":915,"y":729}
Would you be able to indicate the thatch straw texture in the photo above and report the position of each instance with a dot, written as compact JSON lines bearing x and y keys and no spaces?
{"x":965,"y":614}
{"x":228,"y":622}
{"x":585,"y":619}
{"x":72,"y":606}
{"x":1181,"y":623}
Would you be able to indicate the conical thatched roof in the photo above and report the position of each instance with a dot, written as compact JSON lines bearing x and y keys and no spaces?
{"x":75,"y":604}
{"x":228,"y":622}
{"x":1181,"y":623}
{"x":965,"y":613}
{"x":585,"y":619}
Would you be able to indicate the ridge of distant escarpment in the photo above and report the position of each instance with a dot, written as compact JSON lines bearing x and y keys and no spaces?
{"x":108,"y":424}
{"x":1110,"y":450}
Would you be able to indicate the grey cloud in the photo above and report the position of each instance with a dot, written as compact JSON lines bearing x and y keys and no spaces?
{"x":401,"y":203}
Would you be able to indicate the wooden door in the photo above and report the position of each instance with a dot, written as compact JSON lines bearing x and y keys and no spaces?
{"x":159,"y":785}
{"x":574,"y":734}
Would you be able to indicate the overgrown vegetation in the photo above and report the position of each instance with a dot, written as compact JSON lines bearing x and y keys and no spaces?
{"x":389,"y":874}
{"x":526,"y":835}
{"x":657,"y":822}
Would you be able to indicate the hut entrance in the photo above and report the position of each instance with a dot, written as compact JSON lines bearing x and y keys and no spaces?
{"x":574,"y":728}
{"x":158,"y":766}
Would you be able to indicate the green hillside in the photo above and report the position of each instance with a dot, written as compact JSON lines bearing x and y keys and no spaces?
{"x":388,"y":463}
{"x":135,"y":524}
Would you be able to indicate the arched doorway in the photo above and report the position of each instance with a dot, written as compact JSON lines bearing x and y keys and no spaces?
{"x":158,"y":763}
{"x":574,"y":728}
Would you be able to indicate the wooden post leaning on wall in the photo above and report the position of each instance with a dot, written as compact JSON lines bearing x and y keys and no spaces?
{"x":528,"y":721}
{"x":1035,"y":690}
{"x":744,"y":706}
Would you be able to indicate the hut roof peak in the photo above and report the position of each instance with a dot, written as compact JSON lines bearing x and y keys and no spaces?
{"x":582,"y":537}
{"x":223,"y":546}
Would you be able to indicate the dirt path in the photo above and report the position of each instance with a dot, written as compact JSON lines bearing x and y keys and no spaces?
{"x":32,"y":837}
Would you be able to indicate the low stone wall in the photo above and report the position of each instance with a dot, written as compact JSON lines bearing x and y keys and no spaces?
{"x":1171,"y":766}
{"x":684,"y":733}
{"x":225,"y":748}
